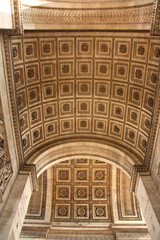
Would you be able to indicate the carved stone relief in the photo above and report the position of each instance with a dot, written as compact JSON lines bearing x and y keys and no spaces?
{"x":59,"y":16}
{"x":5,"y":164}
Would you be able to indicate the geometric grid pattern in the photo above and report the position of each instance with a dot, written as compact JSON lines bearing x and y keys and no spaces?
{"x":88,"y":84}
{"x":81,"y":191}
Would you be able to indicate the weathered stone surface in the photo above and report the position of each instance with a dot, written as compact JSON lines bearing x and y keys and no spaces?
{"x":149,"y":200}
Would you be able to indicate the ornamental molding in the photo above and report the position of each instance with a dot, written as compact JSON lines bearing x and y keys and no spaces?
{"x":79,"y":149}
{"x":137,"y":169}
{"x":57,"y":16}
{"x":18,"y":18}
{"x":155,"y":26}
{"x":150,"y":150}
{"x":9,"y":72}
{"x":31,"y":169}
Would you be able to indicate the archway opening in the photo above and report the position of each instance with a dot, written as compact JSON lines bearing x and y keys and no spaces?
{"x":82,"y":197}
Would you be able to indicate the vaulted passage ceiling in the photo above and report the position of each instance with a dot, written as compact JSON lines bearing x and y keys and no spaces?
{"x":99,"y":86}
{"x":81,"y":193}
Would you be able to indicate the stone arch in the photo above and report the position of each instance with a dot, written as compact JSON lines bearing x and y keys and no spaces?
{"x":94,"y":150}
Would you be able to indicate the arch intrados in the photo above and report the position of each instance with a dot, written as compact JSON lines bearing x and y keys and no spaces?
{"x":75,"y":150}
{"x":80,"y":156}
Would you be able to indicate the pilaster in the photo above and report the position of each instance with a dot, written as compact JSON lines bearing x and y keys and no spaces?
{"x":149,"y":200}
{"x":12,"y":218}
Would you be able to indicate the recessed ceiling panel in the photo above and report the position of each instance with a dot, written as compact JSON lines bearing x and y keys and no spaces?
{"x":99,"y":85}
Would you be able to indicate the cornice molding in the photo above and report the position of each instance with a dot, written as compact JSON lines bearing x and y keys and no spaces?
{"x":31,"y":169}
{"x":156,"y":112}
{"x":9,"y":71}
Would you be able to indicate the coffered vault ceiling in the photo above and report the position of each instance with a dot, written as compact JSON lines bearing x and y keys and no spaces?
{"x":88,"y":182}
{"x":86,"y":85}
{"x":81,"y":192}
{"x":84,"y":94}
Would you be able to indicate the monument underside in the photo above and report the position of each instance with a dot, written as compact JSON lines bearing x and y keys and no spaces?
{"x":99,"y":86}
{"x":81,"y":84}
{"x":82,"y":193}
{"x":81,"y":94}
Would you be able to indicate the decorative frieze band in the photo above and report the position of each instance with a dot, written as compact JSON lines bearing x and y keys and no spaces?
{"x":155,"y":26}
{"x":87,"y":17}
{"x":51,"y":156}
{"x":18,"y":20}
{"x":8,"y":60}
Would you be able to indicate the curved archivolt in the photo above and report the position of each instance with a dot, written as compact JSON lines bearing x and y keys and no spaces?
{"x":78,"y":150}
